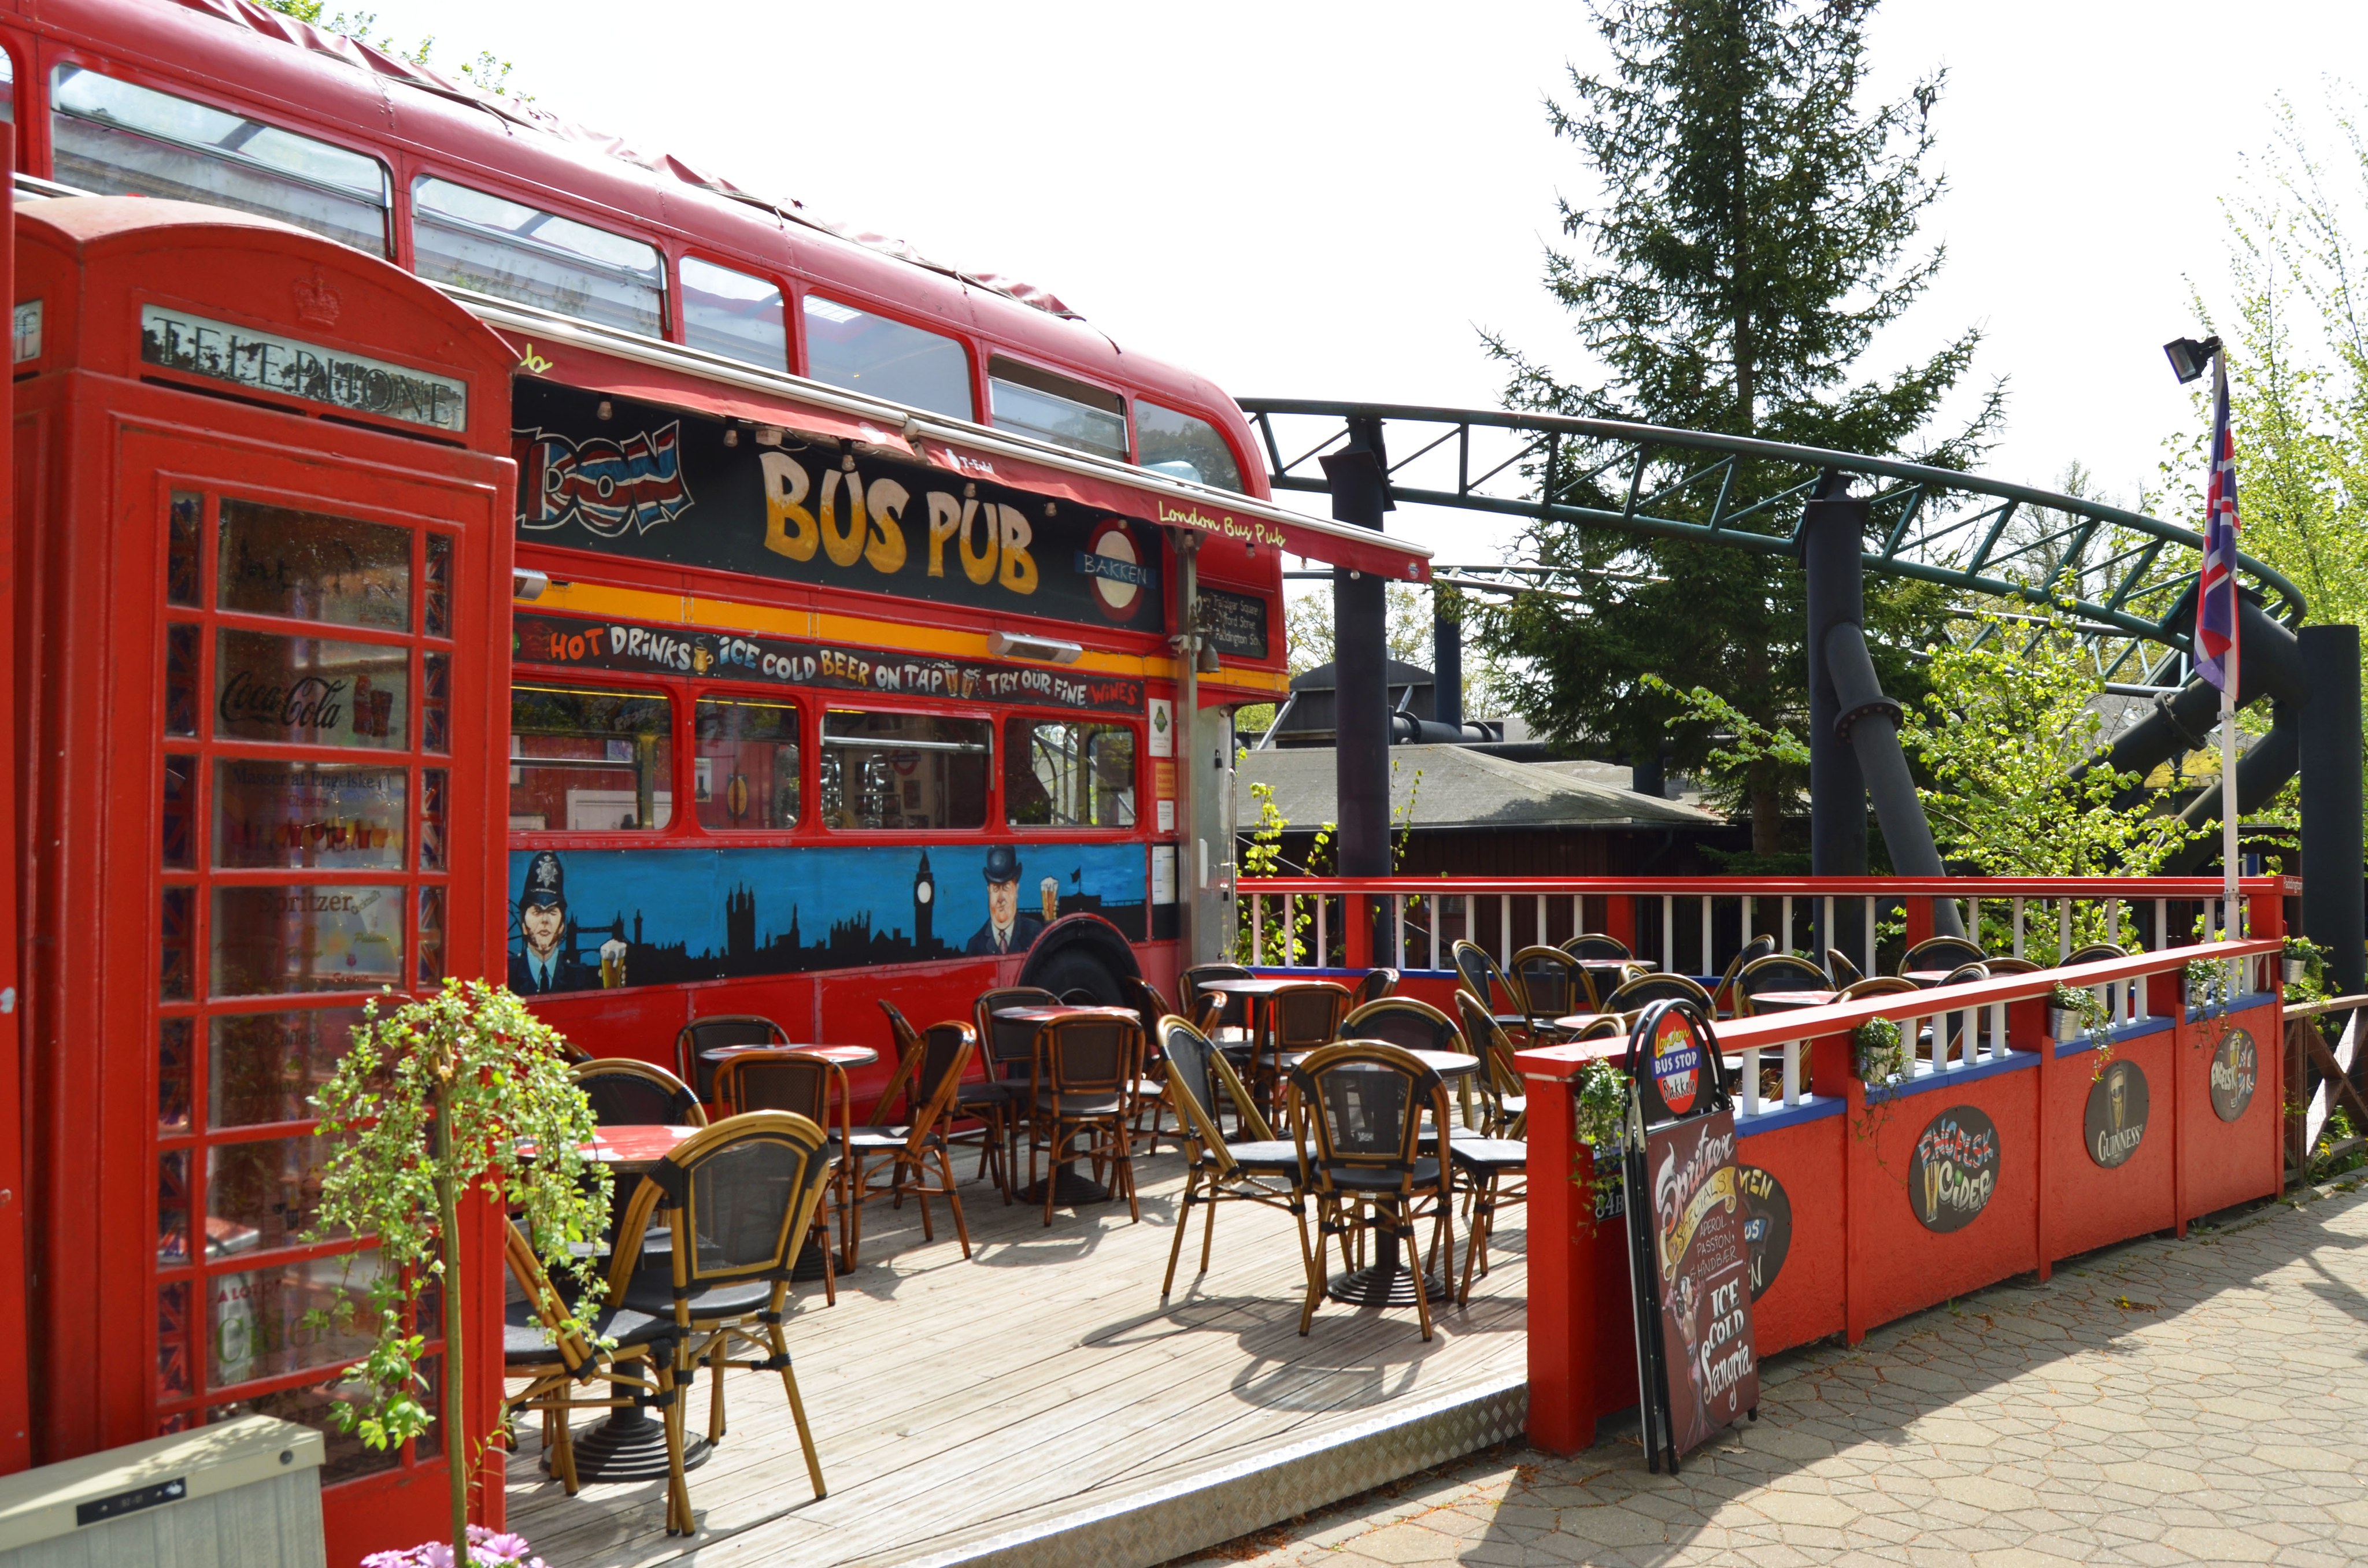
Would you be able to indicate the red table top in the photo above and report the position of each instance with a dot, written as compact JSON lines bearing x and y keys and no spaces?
{"x":845,"y":1055}
{"x":1792,"y":998}
{"x":1257,"y":985}
{"x":629,"y":1146}
{"x":1446,"y":1063}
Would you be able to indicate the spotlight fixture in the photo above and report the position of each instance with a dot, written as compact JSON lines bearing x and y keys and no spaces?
{"x":2190,"y":358}
{"x":1020,"y":645}
{"x":527,"y":584}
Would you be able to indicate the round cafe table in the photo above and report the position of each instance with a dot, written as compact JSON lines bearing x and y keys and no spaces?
{"x":1069,"y":1188}
{"x":628,"y":1446}
{"x":1789,"y":1001}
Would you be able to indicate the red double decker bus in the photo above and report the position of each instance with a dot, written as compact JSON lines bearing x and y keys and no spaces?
{"x":876,"y":624}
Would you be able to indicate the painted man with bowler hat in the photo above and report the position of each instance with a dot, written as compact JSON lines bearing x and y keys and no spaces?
{"x":543,"y":967}
{"x":1009,"y":929}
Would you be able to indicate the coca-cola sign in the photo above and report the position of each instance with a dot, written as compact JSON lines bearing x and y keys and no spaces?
{"x":310,"y":690}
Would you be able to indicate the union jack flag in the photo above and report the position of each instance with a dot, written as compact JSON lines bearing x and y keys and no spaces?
{"x":2216,"y":596}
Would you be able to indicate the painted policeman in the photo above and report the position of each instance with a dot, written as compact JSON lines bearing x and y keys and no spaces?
{"x":542,"y":967}
{"x":1009,"y":929}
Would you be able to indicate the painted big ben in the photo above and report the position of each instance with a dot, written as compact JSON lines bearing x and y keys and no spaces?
{"x":924,"y":902}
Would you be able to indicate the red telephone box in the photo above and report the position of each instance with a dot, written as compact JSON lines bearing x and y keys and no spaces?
{"x":262,"y":592}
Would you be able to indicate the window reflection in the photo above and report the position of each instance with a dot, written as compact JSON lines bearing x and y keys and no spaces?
{"x":745,"y":772}
{"x":903,"y":770}
{"x":590,"y":761}
{"x":1057,"y":773}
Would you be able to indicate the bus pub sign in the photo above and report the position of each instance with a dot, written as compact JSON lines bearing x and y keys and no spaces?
{"x":656,"y":483}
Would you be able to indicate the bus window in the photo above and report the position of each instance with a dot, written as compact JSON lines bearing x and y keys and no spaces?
{"x":745,"y":772}
{"x":1184,"y":448}
{"x":589,"y":761}
{"x":884,"y":770}
{"x":8,"y":87}
{"x":119,"y":140}
{"x":501,"y":247}
{"x":1056,"y":409}
{"x":855,"y":349}
{"x":733,"y":315}
{"x":1059,"y":773}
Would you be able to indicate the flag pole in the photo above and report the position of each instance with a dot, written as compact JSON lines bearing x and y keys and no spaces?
{"x":2231,"y":922}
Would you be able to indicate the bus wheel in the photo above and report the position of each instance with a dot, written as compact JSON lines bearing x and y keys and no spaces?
{"x":1077,"y":975}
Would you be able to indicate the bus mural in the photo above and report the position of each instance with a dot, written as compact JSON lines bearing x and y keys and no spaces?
{"x":592,"y":919}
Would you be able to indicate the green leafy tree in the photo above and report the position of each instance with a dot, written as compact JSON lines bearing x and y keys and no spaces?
{"x":453,"y":1099}
{"x":1756,"y":228}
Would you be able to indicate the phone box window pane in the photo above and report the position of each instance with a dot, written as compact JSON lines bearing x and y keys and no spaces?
{"x":903,"y":770}
{"x":181,"y":549}
{"x":180,"y":811}
{"x":264,"y":1067}
{"x":175,"y":932}
{"x":173,"y":1075}
{"x":344,"y":1456}
{"x":745,"y":775}
{"x":181,"y":648}
{"x":172,"y":1208}
{"x":256,"y":1322}
{"x":590,"y":761}
{"x":260,"y":1197}
{"x":1184,"y":446}
{"x":338,"y":816}
{"x":437,"y":600}
{"x":173,"y":1340}
{"x":866,"y":353}
{"x":310,"y":691}
{"x":313,"y":566}
{"x":733,"y":315}
{"x":1057,"y":774}
{"x":312,"y":936}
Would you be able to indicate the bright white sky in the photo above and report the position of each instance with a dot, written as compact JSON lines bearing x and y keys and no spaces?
{"x":1327,"y":201}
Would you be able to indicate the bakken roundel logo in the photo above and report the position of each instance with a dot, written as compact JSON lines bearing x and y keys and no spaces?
{"x":1123,"y":579}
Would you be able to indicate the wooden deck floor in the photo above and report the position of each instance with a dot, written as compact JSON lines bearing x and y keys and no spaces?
{"x":947,"y":1395}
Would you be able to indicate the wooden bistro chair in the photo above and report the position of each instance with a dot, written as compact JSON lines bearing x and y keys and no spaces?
{"x":1416,"y":1025}
{"x":1150,"y":1006}
{"x":1479,"y":975}
{"x":1008,"y":1049}
{"x":2011,"y":966}
{"x":706,"y":1034}
{"x":1357,"y":1114}
{"x":804,"y":1084}
{"x":1839,"y":969}
{"x":1261,"y":1169}
{"x":1596,"y":945}
{"x":1551,"y":985}
{"x":1940,"y":952}
{"x":746,"y":1193}
{"x":1633,"y":996}
{"x":1508,"y":1097}
{"x":629,"y":1093}
{"x":1081,"y":1086}
{"x":1299,"y":1016}
{"x":914,"y":1151}
{"x":567,"y":1371}
{"x":1751,"y":952}
{"x":1778,"y":971}
{"x":1377,"y":984}
{"x":1229,"y":1027}
{"x":1875,"y":985}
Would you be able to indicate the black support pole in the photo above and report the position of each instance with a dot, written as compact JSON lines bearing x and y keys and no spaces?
{"x":1359,"y":473}
{"x":1833,"y":530}
{"x":2329,"y":746}
{"x":1446,"y":661}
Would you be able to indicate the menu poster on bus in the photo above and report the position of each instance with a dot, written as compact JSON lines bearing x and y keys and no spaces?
{"x":618,"y":917}
{"x":660,"y":483}
{"x":586,"y":642}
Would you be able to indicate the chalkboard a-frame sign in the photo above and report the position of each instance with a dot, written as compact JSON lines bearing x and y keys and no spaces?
{"x":1697,"y":1368}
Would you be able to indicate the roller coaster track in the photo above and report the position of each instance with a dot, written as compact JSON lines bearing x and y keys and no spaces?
{"x":2124,"y":577}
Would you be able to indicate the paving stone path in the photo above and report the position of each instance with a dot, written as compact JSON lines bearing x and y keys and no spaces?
{"x":2204,"y":1401}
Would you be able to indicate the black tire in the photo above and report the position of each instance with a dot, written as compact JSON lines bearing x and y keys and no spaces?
{"x":1077,"y":968}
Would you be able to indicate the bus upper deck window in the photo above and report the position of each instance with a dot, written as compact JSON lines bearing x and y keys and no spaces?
{"x":8,"y":87}
{"x":119,"y":140}
{"x":586,"y":760}
{"x":1056,"y":409}
{"x":883,"y":771}
{"x":1062,"y":773}
{"x":869,"y":354}
{"x":733,"y":315}
{"x":515,"y":252}
{"x":1184,"y":446}
{"x":745,"y":772}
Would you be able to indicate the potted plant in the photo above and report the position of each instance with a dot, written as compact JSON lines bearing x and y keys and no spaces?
{"x":2304,"y":967}
{"x":2206,"y":981}
{"x":1877,"y":1053}
{"x":458,"y":1094}
{"x":1600,"y":1117}
{"x":2073,"y":1011}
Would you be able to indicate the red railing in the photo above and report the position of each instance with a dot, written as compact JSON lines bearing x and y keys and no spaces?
{"x":1694,"y":924}
{"x":1832,"y":1165}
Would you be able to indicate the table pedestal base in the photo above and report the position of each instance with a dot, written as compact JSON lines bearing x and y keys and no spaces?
{"x":1069,"y":1190}
{"x":808,"y":1266}
{"x":628,"y":1446}
{"x":1383,"y":1285}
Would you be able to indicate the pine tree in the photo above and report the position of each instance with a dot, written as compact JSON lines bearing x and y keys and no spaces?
{"x":1756,"y":231}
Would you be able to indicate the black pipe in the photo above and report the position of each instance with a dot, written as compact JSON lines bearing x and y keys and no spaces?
{"x":1359,"y":473}
{"x":2271,"y":666}
{"x":1870,"y":721}
{"x":1833,"y":531}
{"x":1446,"y":662}
{"x":2331,"y":890}
{"x":2262,"y":772}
